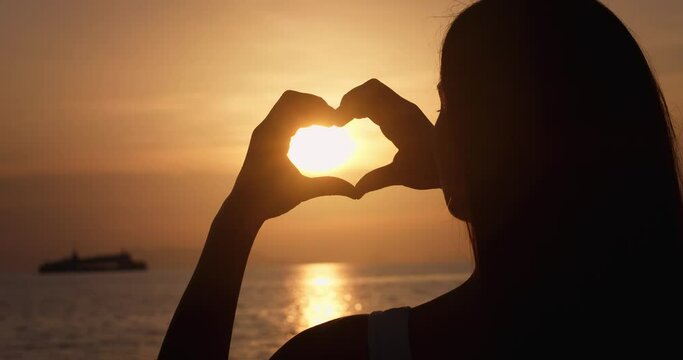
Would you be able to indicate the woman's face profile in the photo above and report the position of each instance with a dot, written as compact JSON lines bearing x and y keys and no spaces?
{"x":449,"y":165}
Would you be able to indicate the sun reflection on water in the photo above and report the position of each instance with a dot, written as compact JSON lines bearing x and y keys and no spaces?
{"x":321,"y":294}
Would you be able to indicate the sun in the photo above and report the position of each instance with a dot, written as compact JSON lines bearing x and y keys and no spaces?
{"x":316,"y":149}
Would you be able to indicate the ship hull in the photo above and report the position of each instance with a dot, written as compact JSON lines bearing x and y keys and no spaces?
{"x":121,"y":262}
{"x":50,"y":268}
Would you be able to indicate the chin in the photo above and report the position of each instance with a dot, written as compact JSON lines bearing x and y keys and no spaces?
{"x":455,"y":205}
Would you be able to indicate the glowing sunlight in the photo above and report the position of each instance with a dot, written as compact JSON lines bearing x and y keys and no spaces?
{"x":317,"y":149}
{"x":321,"y":295}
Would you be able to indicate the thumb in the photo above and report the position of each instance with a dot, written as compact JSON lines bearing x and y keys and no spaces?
{"x":378,"y":179}
{"x":328,"y":185}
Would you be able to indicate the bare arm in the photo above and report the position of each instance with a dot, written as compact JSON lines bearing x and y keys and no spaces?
{"x":268,"y":185}
{"x":202,"y":325}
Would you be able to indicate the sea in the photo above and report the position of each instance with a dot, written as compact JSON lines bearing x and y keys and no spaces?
{"x":124,"y":315}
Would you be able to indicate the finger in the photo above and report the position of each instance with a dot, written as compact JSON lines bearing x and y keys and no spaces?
{"x":379,"y":178}
{"x":295,"y":110}
{"x":399,"y":120}
{"x":371,"y":99}
{"x":328,"y":185}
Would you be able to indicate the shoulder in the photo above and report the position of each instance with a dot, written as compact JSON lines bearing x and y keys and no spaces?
{"x":343,"y":338}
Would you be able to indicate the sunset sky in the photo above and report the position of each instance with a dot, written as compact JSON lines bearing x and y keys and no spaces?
{"x":124,"y":123}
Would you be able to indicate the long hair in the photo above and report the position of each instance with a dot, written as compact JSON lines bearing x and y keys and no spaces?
{"x":568,"y":156}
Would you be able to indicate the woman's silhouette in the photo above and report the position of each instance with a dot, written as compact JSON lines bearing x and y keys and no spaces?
{"x":554,"y":144}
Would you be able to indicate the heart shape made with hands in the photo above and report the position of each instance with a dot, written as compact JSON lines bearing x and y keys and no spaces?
{"x":348,"y":152}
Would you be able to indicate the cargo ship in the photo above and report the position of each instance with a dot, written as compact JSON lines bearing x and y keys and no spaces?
{"x":115,"y":262}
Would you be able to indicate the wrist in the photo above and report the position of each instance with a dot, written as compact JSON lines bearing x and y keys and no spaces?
{"x":242,"y":212}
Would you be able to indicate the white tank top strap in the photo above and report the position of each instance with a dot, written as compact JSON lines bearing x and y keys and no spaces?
{"x":388,"y":335}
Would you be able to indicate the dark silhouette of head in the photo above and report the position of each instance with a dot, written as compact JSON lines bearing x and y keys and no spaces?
{"x":555,"y":145}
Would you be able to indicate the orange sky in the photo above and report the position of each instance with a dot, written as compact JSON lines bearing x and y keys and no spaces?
{"x":123,"y":123}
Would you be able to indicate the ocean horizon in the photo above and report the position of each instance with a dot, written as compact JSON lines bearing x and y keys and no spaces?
{"x":124,"y":315}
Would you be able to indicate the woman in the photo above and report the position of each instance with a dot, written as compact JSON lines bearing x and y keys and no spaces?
{"x":553,"y":143}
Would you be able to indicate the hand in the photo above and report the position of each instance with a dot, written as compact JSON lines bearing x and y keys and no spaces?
{"x":403,"y":124}
{"x":269,"y":185}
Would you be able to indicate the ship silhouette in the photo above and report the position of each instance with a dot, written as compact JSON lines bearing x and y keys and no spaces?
{"x":115,"y":262}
